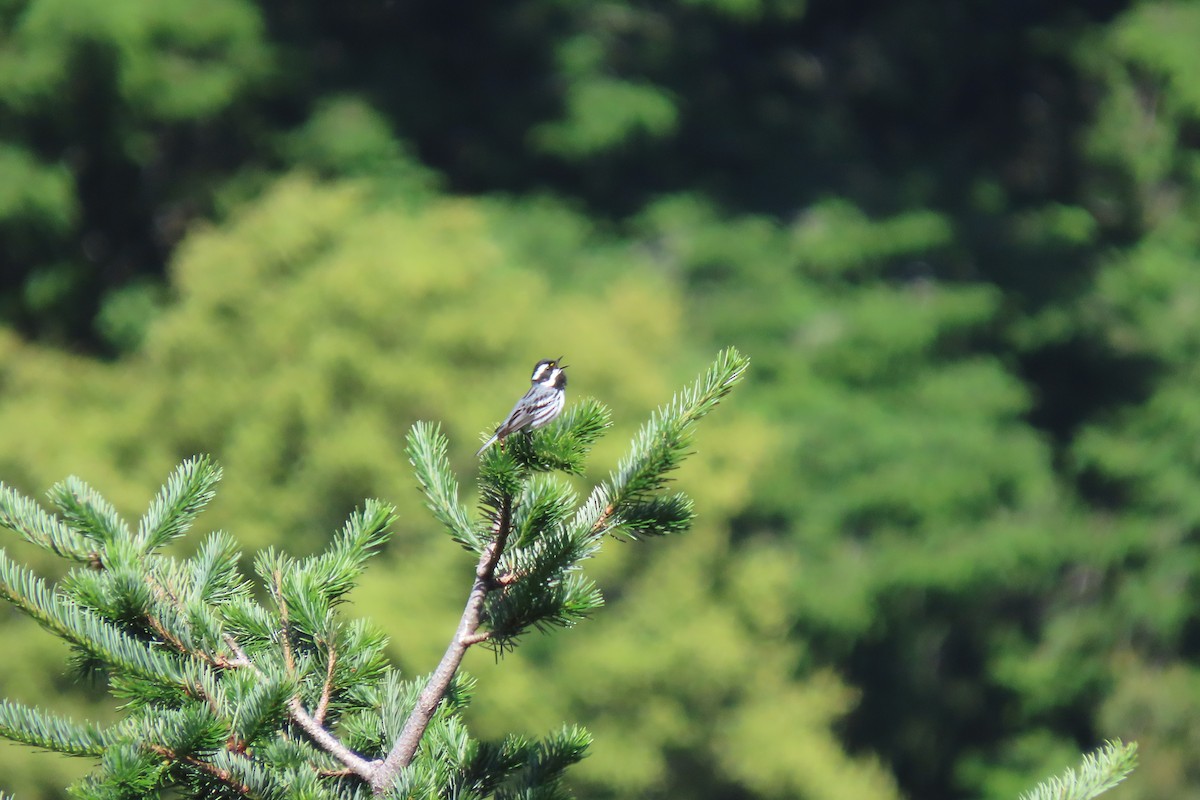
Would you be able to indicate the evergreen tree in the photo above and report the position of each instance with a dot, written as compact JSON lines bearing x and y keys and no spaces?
{"x":226,"y":696}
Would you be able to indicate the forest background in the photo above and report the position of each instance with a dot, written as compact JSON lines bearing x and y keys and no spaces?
{"x":948,"y":531}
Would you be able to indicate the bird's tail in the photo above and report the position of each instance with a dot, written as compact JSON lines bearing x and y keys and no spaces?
{"x":487,"y":444}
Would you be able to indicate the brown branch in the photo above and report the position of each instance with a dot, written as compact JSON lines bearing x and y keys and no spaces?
{"x":172,"y":639}
{"x":604,"y":517}
{"x":476,"y":638}
{"x":322,"y":738}
{"x":326,"y":690}
{"x":240,"y":659}
{"x":405,"y":748}
{"x":313,"y":727}
{"x":285,"y":634}
{"x":222,"y":775}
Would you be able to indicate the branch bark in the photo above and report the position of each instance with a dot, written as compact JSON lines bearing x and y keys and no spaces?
{"x":331,"y":744}
{"x":319,"y":734}
{"x":467,"y":634}
{"x":327,"y":689}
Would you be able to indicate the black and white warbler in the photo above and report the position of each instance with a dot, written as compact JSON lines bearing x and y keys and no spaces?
{"x":541,"y":404}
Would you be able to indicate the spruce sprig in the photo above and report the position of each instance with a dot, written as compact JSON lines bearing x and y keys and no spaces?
{"x":185,"y":494}
{"x":1099,"y":771}
{"x":625,"y":501}
{"x":88,"y":513}
{"x":427,"y":452}
{"x":26,"y":517}
{"x":38,"y":728}
{"x":90,"y":634}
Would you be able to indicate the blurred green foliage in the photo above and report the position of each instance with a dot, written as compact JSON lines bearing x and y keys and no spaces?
{"x":946,"y":542}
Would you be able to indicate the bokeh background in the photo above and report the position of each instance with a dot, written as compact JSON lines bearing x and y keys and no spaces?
{"x":948,"y":531}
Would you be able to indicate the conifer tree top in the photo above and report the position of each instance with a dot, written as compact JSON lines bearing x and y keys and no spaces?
{"x":227,"y":696}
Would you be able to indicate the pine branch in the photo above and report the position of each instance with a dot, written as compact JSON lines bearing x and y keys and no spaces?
{"x":316,"y":731}
{"x":257,"y":710}
{"x":245,"y":773}
{"x":1099,"y":772}
{"x":537,"y":589}
{"x":222,"y":775}
{"x":564,"y":445}
{"x":131,"y":768}
{"x":541,"y":505}
{"x":367,"y":770}
{"x":86,"y":631}
{"x":193,"y":729}
{"x":542,"y":588}
{"x":337,"y":569}
{"x":187,"y":491}
{"x":213,"y":576}
{"x":35,"y":525}
{"x":427,"y":449}
{"x":37,"y":728}
{"x":285,"y":633}
{"x":659,"y":446}
{"x":657,"y":516}
{"x":87,"y":512}
{"x":544,"y":766}
{"x":172,"y":618}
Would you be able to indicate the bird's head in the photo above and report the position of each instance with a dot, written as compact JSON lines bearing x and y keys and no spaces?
{"x":549,"y":372}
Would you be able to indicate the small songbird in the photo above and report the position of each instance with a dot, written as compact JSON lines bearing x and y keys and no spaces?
{"x":540,"y":405}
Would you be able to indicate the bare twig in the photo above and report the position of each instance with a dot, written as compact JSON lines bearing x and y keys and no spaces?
{"x":467,"y":634}
{"x":240,"y":659}
{"x":331,"y":744}
{"x":476,"y":638}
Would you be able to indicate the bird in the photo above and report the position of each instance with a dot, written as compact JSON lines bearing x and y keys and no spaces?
{"x":541,"y":404}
